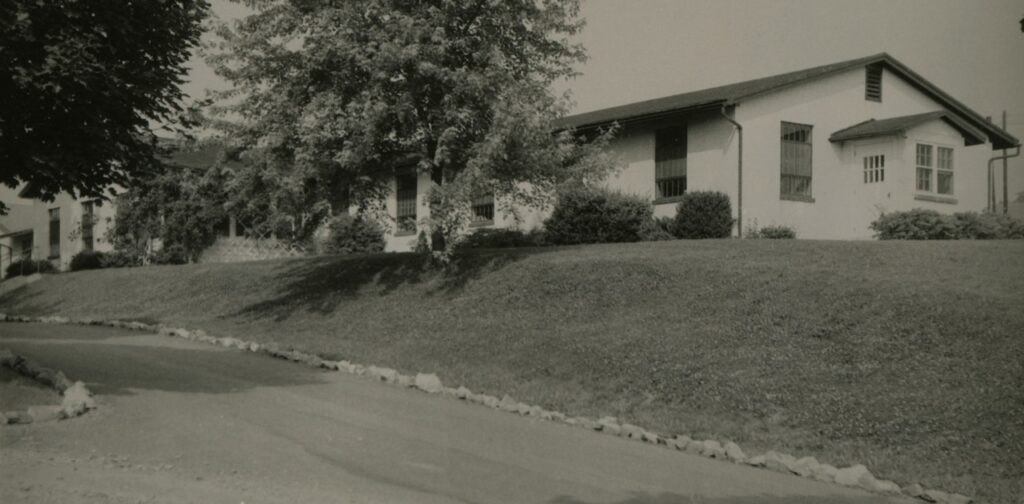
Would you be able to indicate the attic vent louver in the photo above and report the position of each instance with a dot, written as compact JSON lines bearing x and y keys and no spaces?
{"x":873,"y":83}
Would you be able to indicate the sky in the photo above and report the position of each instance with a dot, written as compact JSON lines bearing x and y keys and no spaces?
{"x":642,"y":49}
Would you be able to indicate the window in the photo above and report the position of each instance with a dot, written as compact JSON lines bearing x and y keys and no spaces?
{"x":483,"y":210}
{"x":405,"y":189}
{"x":670,"y":162}
{"x":54,"y":233}
{"x":88,"y":221}
{"x":873,"y":83}
{"x":944,"y":170}
{"x":935,"y":173}
{"x":796,"y":161}
{"x":874,"y":169}
{"x":924,"y":167}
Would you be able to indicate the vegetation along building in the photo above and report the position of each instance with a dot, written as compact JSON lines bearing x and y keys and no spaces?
{"x":824,"y":150}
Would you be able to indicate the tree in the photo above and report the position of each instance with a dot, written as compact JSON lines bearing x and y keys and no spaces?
{"x":339,"y":94}
{"x":82,"y":82}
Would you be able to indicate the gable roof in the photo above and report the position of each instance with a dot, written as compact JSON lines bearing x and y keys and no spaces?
{"x":893,"y":125}
{"x":733,"y":94}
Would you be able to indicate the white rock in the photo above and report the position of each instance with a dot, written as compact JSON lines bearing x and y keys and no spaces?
{"x":44,"y":413}
{"x":914,"y":490}
{"x":781,"y":462}
{"x":508,"y":403}
{"x":734,"y":453}
{"x":825,"y":472}
{"x":77,"y":400}
{"x":610,"y":425}
{"x":386,"y":375}
{"x":695,"y":447}
{"x":756,"y":461}
{"x":462,"y":392}
{"x":959,"y":499}
{"x":679,"y":442}
{"x":855,"y":476}
{"x":805,"y":466}
{"x":935,"y":496}
{"x":886,"y":487}
{"x":631,"y":431}
{"x":403,"y":380}
{"x":713,"y":449}
{"x":491,"y":401}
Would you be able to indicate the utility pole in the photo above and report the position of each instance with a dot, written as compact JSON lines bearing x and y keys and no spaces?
{"x":1006,"y":200}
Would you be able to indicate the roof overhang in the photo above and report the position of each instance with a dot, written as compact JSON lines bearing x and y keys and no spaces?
{"x":873,"y":128}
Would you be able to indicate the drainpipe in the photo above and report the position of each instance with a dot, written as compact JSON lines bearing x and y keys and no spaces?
{"x":991,"y":203}
{"x":739,"y":174}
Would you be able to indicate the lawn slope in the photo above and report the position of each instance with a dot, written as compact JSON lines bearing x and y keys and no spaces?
{"x":905,"y":356}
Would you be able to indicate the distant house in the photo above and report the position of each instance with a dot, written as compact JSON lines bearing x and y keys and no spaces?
{"x":825,"y":150}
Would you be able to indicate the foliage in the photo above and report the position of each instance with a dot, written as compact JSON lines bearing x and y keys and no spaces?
{"x":657,"y":229}
{"x":179,"y":205}
{"x":354,"y":235}
{"x":28,"y":267}
{"x":87,"y":259}
{"x":502,"y":238}
{"x":172,"y":254}
{"x":592,"y":215}
{"x":916,"y":224}
{"x":120,"y":259}
{"x":82,"y":83}
{"x":987,"y":226}
{"x":773,"y":233}
{"x":331,"y":97}
{"x":703,"y":214}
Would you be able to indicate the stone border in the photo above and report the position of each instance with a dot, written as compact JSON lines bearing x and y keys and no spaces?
{"x":856,"y":476}
{"x":75,"y":397}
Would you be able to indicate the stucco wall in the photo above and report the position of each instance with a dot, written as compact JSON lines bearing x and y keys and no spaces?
{"x":843,"y":204}
{"x":70,"y":224}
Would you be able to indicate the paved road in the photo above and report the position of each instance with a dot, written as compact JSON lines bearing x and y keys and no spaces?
{"x":186,"y":422}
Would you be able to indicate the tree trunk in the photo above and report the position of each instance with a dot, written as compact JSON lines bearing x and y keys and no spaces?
{"x":437,"y":238}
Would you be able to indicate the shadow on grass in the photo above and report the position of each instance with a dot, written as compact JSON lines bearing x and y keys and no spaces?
{"x":320,"y":285}
{"x":674,"y":498}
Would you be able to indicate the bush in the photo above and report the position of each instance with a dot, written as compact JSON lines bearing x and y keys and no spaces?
{"x":703,"y":214}
{"x":86,"y":260}
{"x":354,"y":235}
{"x":121,"y":259}
{"x":28,"y":267}
{"x":987,"y":226}
{"x":589,"y":215}
{"x":773,"y":233}
{"x":657,"y":229}
{"x":173,"y":254}
{"x":916,"y":224}
{"x":502,"y":238}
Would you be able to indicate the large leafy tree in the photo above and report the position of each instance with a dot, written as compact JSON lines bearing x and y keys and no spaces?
{"x":82,"y":84}
{"x":339,"y":94}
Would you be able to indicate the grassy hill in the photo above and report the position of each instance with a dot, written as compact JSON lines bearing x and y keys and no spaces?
{"x":905,"y":356}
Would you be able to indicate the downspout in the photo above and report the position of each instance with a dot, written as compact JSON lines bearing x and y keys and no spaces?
{"x":991,"y":203}
{"x":739,"y":174}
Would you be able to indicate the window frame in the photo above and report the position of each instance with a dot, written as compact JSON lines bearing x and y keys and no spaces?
{"x":54,"y":225}
{"x":405,"y":222}
{"x":482,"y":210}
{"x":88,"y":224}
{"x":786,"y":179}
{"x":668,"y":164}
{"x":932,"y":171}
{"x":874,"y":168}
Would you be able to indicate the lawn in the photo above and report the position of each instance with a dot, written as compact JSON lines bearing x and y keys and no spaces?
{"x":905,"y":356}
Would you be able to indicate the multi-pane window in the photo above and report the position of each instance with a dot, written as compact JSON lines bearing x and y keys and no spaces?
{"x":670,"y":162}
{"x":483,"y":209}
{"x":874,"y":169}
{"x":944,"y":170}
{"x":796,"y":160}
{"x":934,"y":169}
{"x":405,"y":189}
{"x":88,"y":221}
{"x":54,"y":233}
{"x":924,"y":167}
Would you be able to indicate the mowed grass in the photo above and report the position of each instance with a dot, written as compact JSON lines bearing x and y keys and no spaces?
{"x":904,"y":356}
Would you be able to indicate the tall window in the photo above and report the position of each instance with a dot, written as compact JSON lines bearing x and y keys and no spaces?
{"x":405,"y":188}
{"x":796,"y":160}
{"x":670,"y":162}
{"x":934,"y":173}
{"x":88,"y":221}
{"x":874,"y":169}
{"x":483,"y":209}
{"x":54,"y":233}
{"x":944,"y":170}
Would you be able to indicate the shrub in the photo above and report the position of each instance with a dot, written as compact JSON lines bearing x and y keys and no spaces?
{"x":502,"y":238}
{"x":916,"y":224}
{"x":28,"y":267}
{"x":987,"y":226}
{"x":590,"y":215}
{"x":703,"y":214}
{"x":773,"y":233}
{"x":657,"y":229}
{"x":354,"y":235}
{"x":173,"y":254}
{"x":87,"y":259}
{"x":121,"y":259}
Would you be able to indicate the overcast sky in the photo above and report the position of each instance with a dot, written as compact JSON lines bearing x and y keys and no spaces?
{"x":641,"y":49}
